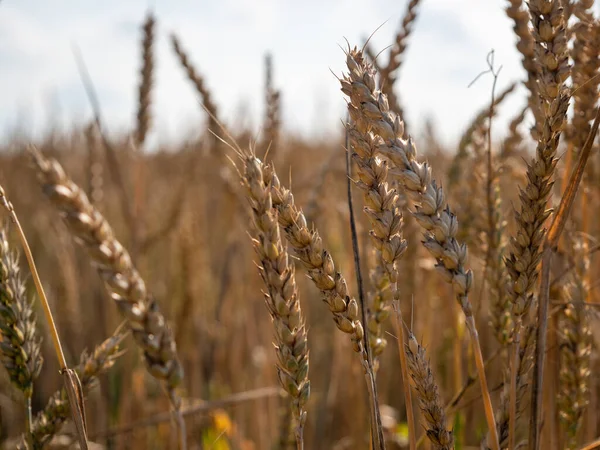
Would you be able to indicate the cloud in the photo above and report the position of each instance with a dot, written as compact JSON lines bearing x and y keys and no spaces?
{"x":227,"y":41}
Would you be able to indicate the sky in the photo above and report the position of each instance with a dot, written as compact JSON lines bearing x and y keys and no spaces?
{"x":41,"y":89}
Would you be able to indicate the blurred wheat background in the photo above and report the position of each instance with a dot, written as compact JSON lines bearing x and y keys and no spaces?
{"x":160,"y":234}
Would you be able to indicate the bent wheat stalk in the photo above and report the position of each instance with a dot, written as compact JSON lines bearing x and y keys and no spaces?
{"x":122,"y":280}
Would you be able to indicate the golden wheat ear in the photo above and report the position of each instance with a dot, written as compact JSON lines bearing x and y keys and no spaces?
{"x":281,"y":296}
{"x":49,"y":421}
{"x":20,"y":347}
{"x":438,"y":221}
{"x":122,"y":280}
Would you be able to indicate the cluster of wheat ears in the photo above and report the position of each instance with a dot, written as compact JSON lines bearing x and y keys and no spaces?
{"x":520,"y":326}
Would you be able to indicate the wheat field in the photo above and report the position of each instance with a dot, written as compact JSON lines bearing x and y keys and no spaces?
{"x":378,"y":290}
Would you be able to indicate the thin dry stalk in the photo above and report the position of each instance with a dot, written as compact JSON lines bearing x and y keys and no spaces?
{"x":432,"y":213}
{"x":282,"y":300}
{"x":197,"y":407}
{"x":146,"y":81}
{"x":377,"y":438}
{"x":121,"y":278}
{"x":112,"y":159}
{"x":495,"y":272}
{"x":595,"y":444}
{"x":50,"y":420}
{"x":471,"y":142}
{"x":426,"y":389}
{"x":20,"y":346}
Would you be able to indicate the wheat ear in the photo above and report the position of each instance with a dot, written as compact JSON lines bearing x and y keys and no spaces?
{"x":432,"y":213}
{"x":203,"y":92}
{"x":525,"y":254}
{"x":71,"y":382}
{"x":272,"y":119}
{"x":50,"y":420}
{"x":426,"y":389}
{"x":146,"y":81}
{"x":20,"y":346}
{"x":122,"y":280}
{"x":525,"y":359}
{"x":291,"y":345}
{"x":389,"y":74}
{"x":575,"y":347}
{"x":525,"y":46}
{"x":586,"y":67}
{"x":384,"y":214}
{"x":308,"y":248}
